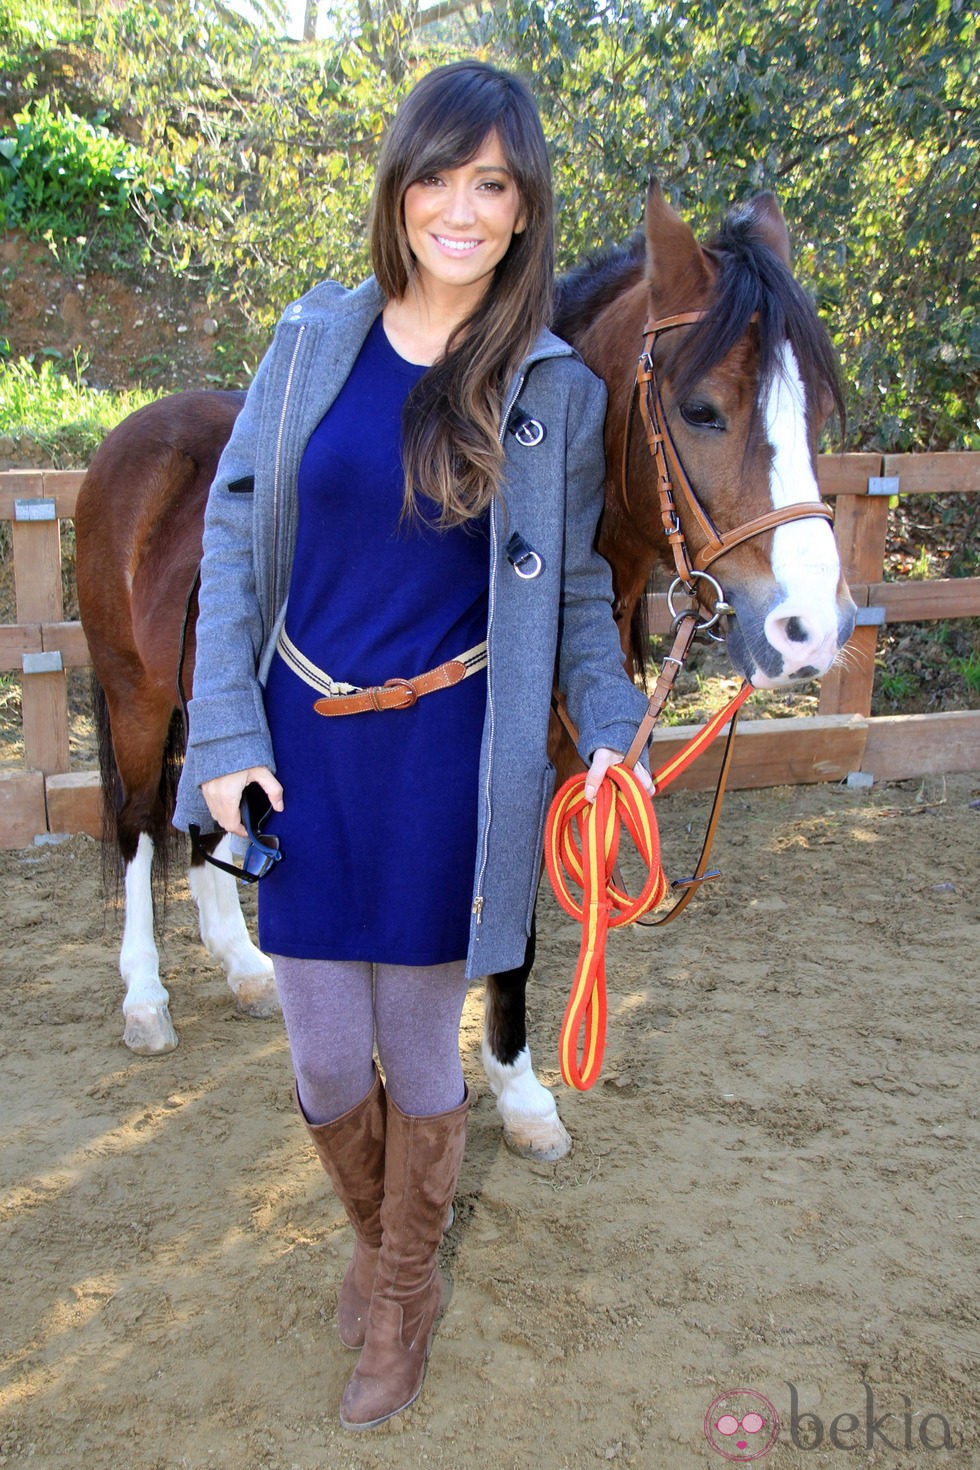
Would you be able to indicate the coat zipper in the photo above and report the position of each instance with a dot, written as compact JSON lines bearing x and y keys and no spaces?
{"x":278,"y":476}
{"x":494,"y":556}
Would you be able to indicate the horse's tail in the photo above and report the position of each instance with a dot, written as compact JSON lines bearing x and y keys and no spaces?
{"x":111,"y":789}
{"x":168,"y":843}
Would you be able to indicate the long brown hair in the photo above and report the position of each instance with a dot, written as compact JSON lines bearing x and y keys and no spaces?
{"x":451,"y":423}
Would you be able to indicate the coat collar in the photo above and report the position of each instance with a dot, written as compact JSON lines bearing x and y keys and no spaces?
{"x":350,"y":313}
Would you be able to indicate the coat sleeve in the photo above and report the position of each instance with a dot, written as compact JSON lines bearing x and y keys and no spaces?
{"x":228,"y":730}
{"x":603,"y":701}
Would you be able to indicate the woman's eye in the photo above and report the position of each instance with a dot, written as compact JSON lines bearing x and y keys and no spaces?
{"x":701,"y":415}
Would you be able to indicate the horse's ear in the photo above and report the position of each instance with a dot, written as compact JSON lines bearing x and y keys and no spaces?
{"x":769,"y":225}
{"x":676,"y":266}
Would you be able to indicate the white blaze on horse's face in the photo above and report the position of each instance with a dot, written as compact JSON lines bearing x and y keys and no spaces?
{"x":805,"y":628}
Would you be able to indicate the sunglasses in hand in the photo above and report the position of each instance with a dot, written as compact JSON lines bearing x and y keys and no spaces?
{"x":262,"y":850}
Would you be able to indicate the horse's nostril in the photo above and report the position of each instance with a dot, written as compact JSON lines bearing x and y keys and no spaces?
{"x":795,"y":631}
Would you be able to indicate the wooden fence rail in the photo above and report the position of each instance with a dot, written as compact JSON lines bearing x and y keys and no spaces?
{"x":840,"y":741}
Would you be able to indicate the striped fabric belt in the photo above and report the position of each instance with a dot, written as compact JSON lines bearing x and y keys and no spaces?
{"x":350,"y":699}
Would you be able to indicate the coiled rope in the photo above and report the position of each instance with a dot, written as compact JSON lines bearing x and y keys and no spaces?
{"x":581,"y":847}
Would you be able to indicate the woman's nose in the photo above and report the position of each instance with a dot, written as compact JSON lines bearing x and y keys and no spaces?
{"x":458,"y":207}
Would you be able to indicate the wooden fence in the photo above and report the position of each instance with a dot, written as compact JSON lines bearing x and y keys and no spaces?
{"x":841,"y":742}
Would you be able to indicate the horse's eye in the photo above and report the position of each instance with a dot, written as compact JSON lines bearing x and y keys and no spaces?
{"x":701,"y":415}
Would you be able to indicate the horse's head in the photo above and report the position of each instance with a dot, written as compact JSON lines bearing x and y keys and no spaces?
{"x":744,"y":389}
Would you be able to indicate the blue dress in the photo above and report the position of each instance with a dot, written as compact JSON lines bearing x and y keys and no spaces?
{"x":378,"y":834}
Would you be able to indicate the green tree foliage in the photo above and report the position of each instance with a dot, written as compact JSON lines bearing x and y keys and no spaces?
{"x":278,"y":141}
{"x":861,"y":114}
{"x":862,"y":117}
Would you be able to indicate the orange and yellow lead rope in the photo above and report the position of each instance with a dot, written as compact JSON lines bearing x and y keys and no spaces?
{"x":581,"y":846}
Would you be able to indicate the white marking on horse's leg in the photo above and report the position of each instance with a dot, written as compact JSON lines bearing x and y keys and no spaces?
{"x":149,"y":1029}
{"x":226,"y":938}
{"x":804,"y":626}
{"x":532,"y":1127}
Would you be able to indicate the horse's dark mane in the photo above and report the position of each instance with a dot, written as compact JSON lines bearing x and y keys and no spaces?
{"x":586,"y":290}
{"x":752,"y":281}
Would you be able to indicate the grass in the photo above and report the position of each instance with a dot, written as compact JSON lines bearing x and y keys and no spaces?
{"x":49,"y":404}
{"x":921,"y":567}
{"x":968,"y":668}
{"x":896,"y":685}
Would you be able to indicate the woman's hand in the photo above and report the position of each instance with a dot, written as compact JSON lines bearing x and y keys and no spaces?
{"x":602,"y":759}
{"x":224,"y":796}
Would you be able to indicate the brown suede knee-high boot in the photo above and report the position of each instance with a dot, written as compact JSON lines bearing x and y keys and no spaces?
{"x":422,"y":1162}
{"x":352,"y":1150}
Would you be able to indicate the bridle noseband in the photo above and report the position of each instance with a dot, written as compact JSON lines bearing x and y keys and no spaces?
{"x":673,"y":484}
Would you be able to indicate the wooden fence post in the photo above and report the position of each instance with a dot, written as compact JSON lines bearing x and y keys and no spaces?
{"x":37,"y":585}
{"x":861,"y":526}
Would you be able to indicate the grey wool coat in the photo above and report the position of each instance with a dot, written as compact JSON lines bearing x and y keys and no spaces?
{"x":559,"y":620}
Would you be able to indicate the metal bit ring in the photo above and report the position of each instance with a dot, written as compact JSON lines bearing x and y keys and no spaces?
{"x":722,"y":608}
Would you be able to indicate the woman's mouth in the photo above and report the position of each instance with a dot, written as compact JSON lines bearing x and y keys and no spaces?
{"x":456,"y":247}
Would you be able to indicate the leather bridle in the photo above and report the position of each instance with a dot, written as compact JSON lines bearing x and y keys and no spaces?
{"x":673,"y":484}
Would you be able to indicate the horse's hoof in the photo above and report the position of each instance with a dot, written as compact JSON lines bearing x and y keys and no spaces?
{"x":258,"y":998}
{"x":543,"y":1139}
{"x":149,"y":1031}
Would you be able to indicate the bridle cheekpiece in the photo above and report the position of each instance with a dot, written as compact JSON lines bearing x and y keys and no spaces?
{"x":673,"y":485}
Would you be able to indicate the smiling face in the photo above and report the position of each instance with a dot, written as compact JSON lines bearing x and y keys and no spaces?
{"x":459,"y":223}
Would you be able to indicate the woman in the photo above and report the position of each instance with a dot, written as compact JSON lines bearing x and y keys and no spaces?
{"x":418,"y":465}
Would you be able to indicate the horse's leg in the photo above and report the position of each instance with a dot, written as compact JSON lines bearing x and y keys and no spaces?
{"x":149,"y":1030}
{"x":225,"y":936}
{"x":532,"y":1126}
{"x":139,"y":725}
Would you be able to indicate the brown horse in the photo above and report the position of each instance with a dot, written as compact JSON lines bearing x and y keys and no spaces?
{"x":744,"y":376}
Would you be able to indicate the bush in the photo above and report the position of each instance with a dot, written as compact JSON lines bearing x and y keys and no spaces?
{"x":66,"y":180}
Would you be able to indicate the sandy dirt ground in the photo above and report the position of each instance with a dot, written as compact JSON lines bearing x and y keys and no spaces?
{"x":771,"y":1187}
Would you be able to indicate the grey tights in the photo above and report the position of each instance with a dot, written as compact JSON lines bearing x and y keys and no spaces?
{"x":337,"y":1010}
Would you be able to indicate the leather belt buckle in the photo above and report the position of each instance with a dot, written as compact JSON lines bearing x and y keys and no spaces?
{"x":395,"y":684}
